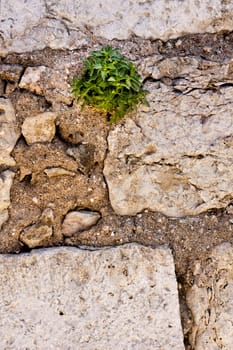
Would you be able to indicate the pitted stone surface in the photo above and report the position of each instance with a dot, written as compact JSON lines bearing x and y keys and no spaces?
{"x":175,"y":156}
{"x":37,"y":24}
{"x":66,"y":298}
{"x":211,"y":301}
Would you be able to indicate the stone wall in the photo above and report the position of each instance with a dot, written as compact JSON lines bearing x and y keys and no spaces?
{"x":162,"y":175}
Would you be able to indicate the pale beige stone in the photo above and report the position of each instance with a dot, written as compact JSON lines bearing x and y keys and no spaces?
{"x":36,"y":235}
{"x":175,"y":156}
{"x":40,"y":128}
{"x":67,"y":298}
{"x":62,"y":24}
{"x":51,"y":83}
{"x":76,"y":221}
{"x":6,"y":180}
{"x":8,"y":132}
{"x":58,"y":171}
{"x":211,"y":301}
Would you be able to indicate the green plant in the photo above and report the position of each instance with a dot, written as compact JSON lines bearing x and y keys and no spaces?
{"x":110,"y":83}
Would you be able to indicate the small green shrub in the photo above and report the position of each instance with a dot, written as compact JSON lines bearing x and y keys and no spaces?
{"x":110,"y":83}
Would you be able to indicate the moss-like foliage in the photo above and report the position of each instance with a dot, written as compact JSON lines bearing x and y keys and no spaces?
{"x":110,"y":83}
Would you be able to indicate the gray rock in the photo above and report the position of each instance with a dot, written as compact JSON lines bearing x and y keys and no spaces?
{"x":48,"y":82}
{"x":176,"y":155}
{"x":66,"y":298}
{"x":8,"y":132}
{"x":211,"y":301}
{"x":77,"y":221}
{"x":39,"y":24}
{"x":6,"y":180}
{"x":40,"y":128}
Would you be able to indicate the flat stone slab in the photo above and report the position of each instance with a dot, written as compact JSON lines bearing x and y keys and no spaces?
{"x":175,"y":156}
{"x":68,"y":298}
{"x":211,"y":301}
{"x":36,"y":24}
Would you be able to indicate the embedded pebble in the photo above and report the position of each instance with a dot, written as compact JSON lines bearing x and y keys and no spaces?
{"x":8,"y":132}
{"x":57,"y":171}
{"x":36,"y":235}
{"x":40,"y":128}
{"x":76,"y":221}
{"x":6,"y":180}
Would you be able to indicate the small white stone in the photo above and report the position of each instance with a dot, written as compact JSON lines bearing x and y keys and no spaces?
{"x":76,"y":221}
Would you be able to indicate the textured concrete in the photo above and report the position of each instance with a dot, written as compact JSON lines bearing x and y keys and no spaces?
{"x":67,"y":298}
{"x":211,"y":301}
{"x":36,"y":24}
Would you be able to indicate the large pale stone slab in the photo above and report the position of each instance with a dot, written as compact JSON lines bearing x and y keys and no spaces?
{"x":37,"y":24}
{"x":211,"y":301}
{"x":67,"y":298}
{"x":175,"y":156}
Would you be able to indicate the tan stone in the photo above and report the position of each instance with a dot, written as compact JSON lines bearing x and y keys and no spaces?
{"x":36,"y":235}
{"x":40,"y":128}
{"x":6,"y":180}
{"x":48,"y":82}
{"x":76,"y":221}
{"x":58,"y":171}
{"x":8,"y":132}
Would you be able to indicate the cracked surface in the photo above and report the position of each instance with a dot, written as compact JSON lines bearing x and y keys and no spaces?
{"x":59,"y":25}
{"x":210,"y":300}
{"x":178,"y":158}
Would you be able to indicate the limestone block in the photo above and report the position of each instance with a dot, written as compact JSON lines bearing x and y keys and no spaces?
{"x":8,"y":132}
{"x":67,"y":298}
{"x":63,"y":24}
{"x":175,"y":156}
{"x":211,"y":301}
